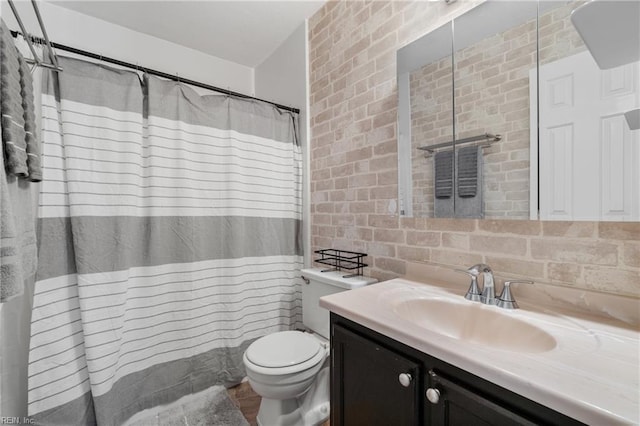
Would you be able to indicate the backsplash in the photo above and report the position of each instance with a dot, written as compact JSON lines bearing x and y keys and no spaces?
{"x":353,"y":98}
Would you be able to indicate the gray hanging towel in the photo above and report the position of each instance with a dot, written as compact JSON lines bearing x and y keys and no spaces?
{"x":467,"y":169}
{"x":443,"y":165}
{"x":13,"y":134}
{"x":11,"y":277}
{"x":443,"y":174}
{"x":469,"y":198}
{"x":31,"y":138}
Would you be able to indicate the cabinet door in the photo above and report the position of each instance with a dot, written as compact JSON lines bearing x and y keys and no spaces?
{"x":458,"y":405}
{"x":365,"y":383}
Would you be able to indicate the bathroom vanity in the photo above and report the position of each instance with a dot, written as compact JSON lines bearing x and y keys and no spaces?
{"x":408,"y":353}
{"x":380,"y":381}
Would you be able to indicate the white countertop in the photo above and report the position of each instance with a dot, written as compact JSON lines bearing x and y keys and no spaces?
{"x":592,"y":374}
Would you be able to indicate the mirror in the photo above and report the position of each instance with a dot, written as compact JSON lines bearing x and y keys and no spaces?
{"x":477,"y":66}
{"x":425,"y":111}
{"x":488,"y":58}
{"x":495,"y":61}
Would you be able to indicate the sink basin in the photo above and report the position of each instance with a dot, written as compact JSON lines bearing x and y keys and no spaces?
{"x":475,"y":323}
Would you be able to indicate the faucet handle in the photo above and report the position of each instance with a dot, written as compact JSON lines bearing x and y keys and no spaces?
{"x":474,"y":292}
{"x":506,"y":300}
{"x":480,"y":267}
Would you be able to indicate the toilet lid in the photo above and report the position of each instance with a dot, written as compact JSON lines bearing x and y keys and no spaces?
{"x":283,"y":349}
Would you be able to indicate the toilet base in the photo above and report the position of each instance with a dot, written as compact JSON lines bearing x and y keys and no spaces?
{"x":309,"y":409}
{"x":280,"y":412}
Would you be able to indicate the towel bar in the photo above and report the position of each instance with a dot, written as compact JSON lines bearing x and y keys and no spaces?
{"x":488,"y":137}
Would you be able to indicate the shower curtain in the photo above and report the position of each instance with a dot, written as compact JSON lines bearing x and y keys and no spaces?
{"x":169,"y":232}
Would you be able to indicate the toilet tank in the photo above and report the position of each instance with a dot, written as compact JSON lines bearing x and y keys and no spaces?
{"x":321,"y":284}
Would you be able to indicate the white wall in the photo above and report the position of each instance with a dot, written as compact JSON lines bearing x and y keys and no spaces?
{"x":282,"y":78}
{"x":87,"y":33}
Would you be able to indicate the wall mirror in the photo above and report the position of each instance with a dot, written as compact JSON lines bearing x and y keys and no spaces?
{"x":474,"y":94}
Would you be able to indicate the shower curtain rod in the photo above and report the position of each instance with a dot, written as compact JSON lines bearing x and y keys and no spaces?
{"x":152,"y":71}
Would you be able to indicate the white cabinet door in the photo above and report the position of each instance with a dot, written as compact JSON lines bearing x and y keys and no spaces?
{"x":588,"y":156}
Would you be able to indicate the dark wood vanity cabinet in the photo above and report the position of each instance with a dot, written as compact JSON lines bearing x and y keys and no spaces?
{"x":367,"y":390}
{"x":458,"y":405}
{"x":364,"y":380}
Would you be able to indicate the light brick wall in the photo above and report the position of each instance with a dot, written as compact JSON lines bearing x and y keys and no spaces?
{"x":431,"y":100}
{"x":354,"y":168}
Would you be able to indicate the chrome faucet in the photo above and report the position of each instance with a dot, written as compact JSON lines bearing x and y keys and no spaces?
{"x":488,"y":296}
{"x":488,"y":293}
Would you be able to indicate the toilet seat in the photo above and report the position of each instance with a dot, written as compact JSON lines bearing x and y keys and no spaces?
{"x":282,"y":349}
{"x":284,"y":352}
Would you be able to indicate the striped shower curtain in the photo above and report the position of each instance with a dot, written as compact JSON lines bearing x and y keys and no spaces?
{"x":169,"y":232}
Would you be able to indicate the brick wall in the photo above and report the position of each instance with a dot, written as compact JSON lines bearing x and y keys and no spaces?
{"x":352,"y":47}
{"x":431,"y":100}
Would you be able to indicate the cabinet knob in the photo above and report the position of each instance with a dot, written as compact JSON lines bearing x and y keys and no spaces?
{"x":405,"y":379}
{"x":433,"y":395}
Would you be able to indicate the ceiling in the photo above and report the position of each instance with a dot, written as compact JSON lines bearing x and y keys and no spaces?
{"x":244,"y":32}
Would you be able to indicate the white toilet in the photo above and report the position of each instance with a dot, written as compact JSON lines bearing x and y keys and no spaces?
{"x":290,"y":369}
